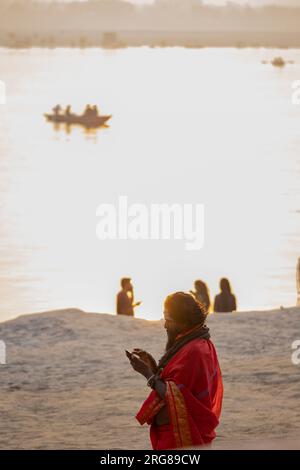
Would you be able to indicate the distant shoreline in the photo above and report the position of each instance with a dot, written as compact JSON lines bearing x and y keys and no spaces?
{"x":124,"y":39}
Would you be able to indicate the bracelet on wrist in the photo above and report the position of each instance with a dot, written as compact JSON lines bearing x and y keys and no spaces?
{"x":151,"y":381}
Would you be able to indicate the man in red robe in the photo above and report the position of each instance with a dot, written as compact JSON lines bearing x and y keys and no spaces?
{"x":184,"y":406}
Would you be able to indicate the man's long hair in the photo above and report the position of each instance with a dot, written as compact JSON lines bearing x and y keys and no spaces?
{"x":225,"y":285}
{"x":184,"y":308}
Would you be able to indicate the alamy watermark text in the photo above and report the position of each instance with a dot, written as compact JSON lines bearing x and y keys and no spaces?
{"x":122,"y":221}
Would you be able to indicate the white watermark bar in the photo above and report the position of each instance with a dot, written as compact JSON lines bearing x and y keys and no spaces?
{"x":296,"y":353}
{"x":123,"y":221}
{"x":2,"y":92}
{"x":296,"y":92}
{"x":2,"y":353}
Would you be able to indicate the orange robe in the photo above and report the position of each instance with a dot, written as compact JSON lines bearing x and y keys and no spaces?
{"x":193,"y":397}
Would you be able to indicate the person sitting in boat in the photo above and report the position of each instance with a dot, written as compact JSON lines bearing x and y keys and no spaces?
{"x":56,"y":110}
{"x":88,"y":112}
{"x":95,"y":111}
{"x":68,"y":111}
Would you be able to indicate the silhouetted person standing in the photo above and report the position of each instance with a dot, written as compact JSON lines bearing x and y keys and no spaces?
{"x":225,"y":301}
{"x":201,"y":294}
{"x":125,"y":298}
{"x":184,"y":406}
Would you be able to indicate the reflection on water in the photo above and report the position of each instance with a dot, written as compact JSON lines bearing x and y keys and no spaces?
{"x":67,"y":128}
{"x":190,"y":126}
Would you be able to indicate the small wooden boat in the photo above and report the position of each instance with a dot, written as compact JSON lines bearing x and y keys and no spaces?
{"x":82,"y":120}
{"x":278,"y":62}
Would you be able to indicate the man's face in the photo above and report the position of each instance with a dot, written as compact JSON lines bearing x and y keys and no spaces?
{"x":173,"y":328}
{"x":128,"y":286}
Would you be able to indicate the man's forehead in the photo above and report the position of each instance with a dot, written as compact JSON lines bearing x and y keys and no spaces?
{"x":167,"y":316}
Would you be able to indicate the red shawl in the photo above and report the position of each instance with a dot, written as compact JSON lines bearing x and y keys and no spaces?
{"x":194,"y":395}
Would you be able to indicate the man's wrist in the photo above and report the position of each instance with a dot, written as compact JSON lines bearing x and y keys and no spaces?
{"x":148,"y":374}
{"x":152,"y":381}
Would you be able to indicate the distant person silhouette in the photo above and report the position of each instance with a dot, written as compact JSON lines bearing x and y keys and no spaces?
{"x":201,"y":294}
{"x":88,"y":111}
{"x":125,"y":298}
{"x":68,"y":111}
{"x":57,"y":109}
{"x":225,"y":301}
{"x":95,"y":111}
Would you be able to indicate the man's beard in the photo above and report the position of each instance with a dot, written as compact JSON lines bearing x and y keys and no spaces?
{"x":171,"y":339}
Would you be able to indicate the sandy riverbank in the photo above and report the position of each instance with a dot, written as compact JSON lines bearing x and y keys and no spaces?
{"x":67,"y":383}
